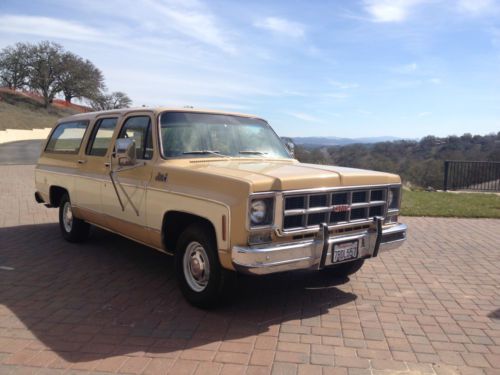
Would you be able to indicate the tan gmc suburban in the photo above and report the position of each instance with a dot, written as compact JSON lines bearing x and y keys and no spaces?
{"x":219,"y":191}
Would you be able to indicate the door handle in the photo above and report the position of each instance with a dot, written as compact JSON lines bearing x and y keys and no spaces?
{"x":81,"y":161}
{"x":107,"y":164}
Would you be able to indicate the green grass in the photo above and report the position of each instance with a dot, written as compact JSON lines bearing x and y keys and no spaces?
{"x":471,"y":205}
{"x":20,"y":112}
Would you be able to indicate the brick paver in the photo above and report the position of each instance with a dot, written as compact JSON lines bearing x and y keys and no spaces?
{"x":110,"y":305}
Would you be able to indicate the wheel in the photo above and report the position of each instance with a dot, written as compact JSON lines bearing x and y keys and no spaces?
{"x":346,"y":269}
{"x":72,"y":228}
{"x":201,"y":278}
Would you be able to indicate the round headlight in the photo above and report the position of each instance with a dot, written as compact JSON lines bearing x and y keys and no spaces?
{"x":390,"y":198}
{"x":258,"y":211}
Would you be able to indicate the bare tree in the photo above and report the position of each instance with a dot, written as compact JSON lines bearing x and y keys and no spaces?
{"x":114,"y":100}
{"x":45,"y":67}
{"x":14,"y":66}
{"x":79,"y":78}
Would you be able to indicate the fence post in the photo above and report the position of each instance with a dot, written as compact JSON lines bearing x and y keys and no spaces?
{"x":446,"y":168}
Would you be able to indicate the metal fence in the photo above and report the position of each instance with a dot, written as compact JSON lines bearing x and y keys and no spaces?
{"x":472,"y":175}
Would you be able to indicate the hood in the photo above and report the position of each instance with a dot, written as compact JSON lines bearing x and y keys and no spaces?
{"x":264,"y":175}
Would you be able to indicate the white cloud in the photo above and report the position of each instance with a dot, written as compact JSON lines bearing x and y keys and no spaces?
{"x":173,"y":21}
{"x":294,"y":93}
{"x":495,"y":36}
{"x":406,"y":68}
{"x":400,"y":10}
{"x":343,"y":85}
{"x":475,"y":7}
{"x":187,"y":87}
{"x":336,"y":95}
{"x":411,"y":67}
{"x":304,"y":116}
{"x":364,"y":112}
{"x":424,"y":114}
{"x":390,"y":10}
{"x":47,"y":27}
{"x":193,"y":19}
{"x":281,"y":26}
{"x":435,"y":80}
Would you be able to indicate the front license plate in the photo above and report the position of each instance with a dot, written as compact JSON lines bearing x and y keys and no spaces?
{"x":345,"y":251}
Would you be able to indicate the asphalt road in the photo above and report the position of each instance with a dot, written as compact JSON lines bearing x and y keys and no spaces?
{"x":21,"y":152}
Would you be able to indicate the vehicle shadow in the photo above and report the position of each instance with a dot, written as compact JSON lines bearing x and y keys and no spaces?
{"x":494,"y":314}
{"x":111,"y":296}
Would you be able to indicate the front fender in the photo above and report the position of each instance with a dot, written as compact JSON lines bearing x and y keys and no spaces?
{"x":159,"y":202}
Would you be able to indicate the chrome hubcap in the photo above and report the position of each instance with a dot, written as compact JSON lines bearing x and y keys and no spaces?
{"x":67,"y":217}
{"x":196,"y":266}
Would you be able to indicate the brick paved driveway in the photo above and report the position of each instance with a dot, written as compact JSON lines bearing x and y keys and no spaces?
{"x":111,"y":305}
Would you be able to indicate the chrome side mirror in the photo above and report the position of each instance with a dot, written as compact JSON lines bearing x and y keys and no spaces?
{"x":291,"y":148}
{"x":125,"y":151}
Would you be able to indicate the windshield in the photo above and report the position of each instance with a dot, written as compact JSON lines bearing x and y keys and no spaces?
{"x":192,"y":134}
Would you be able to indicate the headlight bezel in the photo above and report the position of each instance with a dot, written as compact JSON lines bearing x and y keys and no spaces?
{"x":269,"y":199}
{"x":393,"y":204}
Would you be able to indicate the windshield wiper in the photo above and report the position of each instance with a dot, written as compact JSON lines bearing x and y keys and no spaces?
{"x":204,"y":152}
{"x":253,"y":152}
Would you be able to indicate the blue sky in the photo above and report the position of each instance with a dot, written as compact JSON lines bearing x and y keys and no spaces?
{"x":405,"y":68}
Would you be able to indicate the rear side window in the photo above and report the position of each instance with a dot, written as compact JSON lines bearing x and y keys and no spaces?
{"x":139,"y":129}
{"x":101,"y":137}
{"x":67,"y":137}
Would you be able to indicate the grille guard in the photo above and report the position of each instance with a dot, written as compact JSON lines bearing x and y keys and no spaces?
{"x":324,"y":236}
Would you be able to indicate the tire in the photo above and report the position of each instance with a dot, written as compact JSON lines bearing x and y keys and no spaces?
{"x":346,"y":269}
{"x":72,"y":228}
{"x":201,"y":278}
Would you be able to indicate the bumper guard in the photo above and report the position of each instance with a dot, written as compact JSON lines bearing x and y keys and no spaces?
{"x":315,"y":253}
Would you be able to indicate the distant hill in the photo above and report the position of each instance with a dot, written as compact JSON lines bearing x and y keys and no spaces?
{"x":20,"y":110}
{"x":420,"y":163}
{"x":338,"y":141}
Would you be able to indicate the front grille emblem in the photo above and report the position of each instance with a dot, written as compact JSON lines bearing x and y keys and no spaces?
{"x":341,"y":208}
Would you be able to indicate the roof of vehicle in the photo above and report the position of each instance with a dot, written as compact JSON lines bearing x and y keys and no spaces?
{"x":154,"y":110}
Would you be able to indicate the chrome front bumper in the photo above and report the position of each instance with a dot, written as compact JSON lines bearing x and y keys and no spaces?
{"x":314,"y":253}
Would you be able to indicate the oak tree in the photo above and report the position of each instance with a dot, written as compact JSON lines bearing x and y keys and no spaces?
{"x":79,"y":78}
{"x":115,"y":100}
{"x":45,"y":67}
{"x":14,"y":66}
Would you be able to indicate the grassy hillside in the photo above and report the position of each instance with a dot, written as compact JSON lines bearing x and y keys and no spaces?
{"x":423,"y":203}
{"x":18,"y":111}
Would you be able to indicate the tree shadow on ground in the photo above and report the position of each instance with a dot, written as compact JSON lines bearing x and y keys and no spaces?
{"x":111,"y":296}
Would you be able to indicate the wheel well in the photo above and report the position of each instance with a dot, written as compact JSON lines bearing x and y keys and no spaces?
{"x":55,"y":195}
{"x":174,"y":223}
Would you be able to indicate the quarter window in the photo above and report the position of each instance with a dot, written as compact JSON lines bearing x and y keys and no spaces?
{"x":67,"y":137}
{"x":139,"y":129}
{"x":101,"y":137}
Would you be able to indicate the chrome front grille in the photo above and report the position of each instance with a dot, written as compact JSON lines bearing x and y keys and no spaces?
{"x":336,"y":207}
